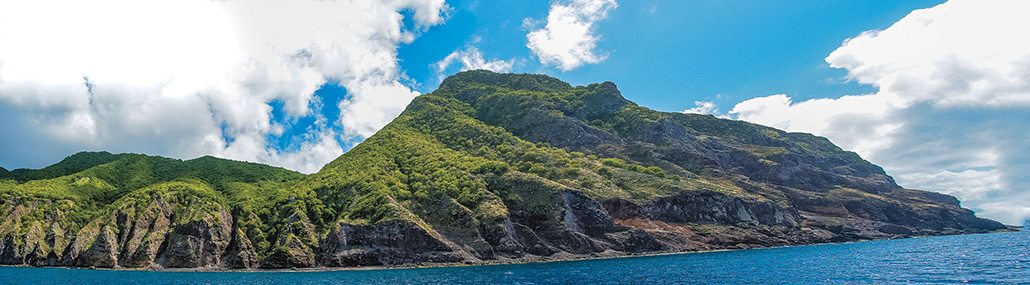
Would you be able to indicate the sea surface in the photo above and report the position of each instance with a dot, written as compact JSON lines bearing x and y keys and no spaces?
{"x":999,"y":258}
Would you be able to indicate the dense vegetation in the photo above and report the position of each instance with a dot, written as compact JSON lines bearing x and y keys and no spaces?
{"x":90,"y":185}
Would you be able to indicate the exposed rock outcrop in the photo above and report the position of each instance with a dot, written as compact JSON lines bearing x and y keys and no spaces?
{"x":386,"y":243}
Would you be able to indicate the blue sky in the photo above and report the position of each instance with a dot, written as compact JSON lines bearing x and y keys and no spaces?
{"x":699,"y":49}
{"x":663,"y":54}
{"x":935,"y":92}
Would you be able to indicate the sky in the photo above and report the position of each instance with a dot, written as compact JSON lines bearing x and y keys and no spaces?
{"x":938,"y":93}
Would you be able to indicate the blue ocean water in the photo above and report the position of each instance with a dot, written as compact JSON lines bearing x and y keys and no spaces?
{"x":1000,"y":258}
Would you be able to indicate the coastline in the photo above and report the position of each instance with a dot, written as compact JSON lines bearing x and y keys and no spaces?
{"x":530,"y":260}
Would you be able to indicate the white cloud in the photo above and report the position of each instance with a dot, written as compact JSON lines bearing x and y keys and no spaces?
{"x":969,"y":184}
{"x":364,"y":115}
{"x":857,"y":123}
{"x":470,"y":58}
{"x":176,"y":77}
{"x":1007,"y":208}
{"x":950,"y":112}
{"x":568,"y":39}
{"x":704,"y":108}
{"x":959,"y":53}
{"x":530,"y":24}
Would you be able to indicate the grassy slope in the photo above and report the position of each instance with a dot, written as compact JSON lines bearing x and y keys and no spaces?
{"x":437,"y":159}
{"x":88,"y":186}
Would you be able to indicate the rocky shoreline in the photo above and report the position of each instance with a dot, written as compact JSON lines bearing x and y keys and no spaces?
{"x":527,"y":260}
{"x":155,"y":235}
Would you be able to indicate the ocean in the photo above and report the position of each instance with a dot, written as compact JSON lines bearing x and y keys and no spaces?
{"x":998,"y":258}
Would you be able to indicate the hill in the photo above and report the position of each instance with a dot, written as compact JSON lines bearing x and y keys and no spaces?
{"x":488,"y":168}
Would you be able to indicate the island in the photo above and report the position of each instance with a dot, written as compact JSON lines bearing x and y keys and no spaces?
{"x":489,"y":168}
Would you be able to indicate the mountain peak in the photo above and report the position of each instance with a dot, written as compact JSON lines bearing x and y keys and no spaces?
{"x":504,"y":91}
{"x":523,"y":81}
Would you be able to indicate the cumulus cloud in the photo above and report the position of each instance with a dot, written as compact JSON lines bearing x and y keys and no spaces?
{"x":470,"y":58}
{"x":949,"y":114}
{"x":568,"y":39}
{"x":194,"y":77}
{"x":704,"y":108}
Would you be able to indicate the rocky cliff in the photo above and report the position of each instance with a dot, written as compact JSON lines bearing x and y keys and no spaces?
{"x":488,"y":168}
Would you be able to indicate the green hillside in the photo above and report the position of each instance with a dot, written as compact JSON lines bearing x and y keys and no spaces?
{"x":488,"y":168}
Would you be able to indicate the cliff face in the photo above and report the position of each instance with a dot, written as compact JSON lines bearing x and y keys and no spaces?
{"x":490,"y":167}
{"x":135,"y":211}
